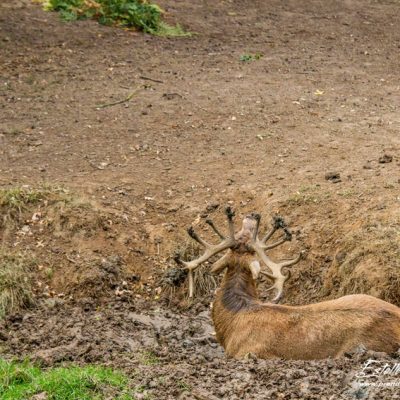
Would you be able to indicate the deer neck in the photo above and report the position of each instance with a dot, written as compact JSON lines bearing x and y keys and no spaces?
{"x":238,"y":290}
{"x":236,"y":295}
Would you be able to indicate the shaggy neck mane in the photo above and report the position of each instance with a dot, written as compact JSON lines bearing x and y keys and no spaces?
{"x":238,"y":291}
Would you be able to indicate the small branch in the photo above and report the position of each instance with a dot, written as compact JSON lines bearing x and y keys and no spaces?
{"x":146,"y":78}
{"x":117,"y":102}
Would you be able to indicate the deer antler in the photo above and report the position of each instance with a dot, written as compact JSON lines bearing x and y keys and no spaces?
{"x":210,"y":250}
{"x":259,"y":246}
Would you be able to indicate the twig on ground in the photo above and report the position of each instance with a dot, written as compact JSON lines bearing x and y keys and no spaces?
{"x":146,"y":78}
{"x":117,"y":102}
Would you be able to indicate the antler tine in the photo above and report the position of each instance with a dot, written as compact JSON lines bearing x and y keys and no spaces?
{"x":278,"y":222}
{"x":257,"y":217}
{"x":196,"y":237}
{"x":214,"y":228}
{"x":230,"y":214}
{"x":286,"y":238}
{"x":276,"y":268}
{"x":210,"y":250}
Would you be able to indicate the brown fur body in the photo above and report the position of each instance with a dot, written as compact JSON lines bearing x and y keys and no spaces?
{"x":245,"y":325}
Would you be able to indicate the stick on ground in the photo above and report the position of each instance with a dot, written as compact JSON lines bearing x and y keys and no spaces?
{"x":100,"y":106}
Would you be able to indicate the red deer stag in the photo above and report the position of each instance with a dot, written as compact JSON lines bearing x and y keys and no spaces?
{"x":244,"y":324}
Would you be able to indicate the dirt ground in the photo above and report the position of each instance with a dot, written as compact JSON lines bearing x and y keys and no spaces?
{"x":203,"y":129}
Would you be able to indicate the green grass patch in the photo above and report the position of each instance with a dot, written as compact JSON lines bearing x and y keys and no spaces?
{"x":22,"y":381}
{"x":347,"y":193}
{"x":15,"y":282}
{"x":139,"y":14}
{"x":172,"y":30}
{"x":149,"y":358}
{"x":308,"y":195}
{"x":16,"y":199}
{"x":250,"y":57}
{"x":183,"y":386}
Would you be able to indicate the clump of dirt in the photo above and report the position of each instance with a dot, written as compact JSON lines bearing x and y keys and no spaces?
{"x":89,"y":277}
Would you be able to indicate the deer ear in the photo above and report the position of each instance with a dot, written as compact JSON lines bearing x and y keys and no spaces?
{"x":255,"y":269}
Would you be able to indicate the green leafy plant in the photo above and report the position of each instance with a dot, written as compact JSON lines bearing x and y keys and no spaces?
{"x":138,"y":14}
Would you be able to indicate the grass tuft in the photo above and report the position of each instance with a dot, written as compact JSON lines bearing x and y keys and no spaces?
{"x":172,"y":31}
{"x":16,"y":199}
{"x":183,"y":386}
{"x":15,"y":283}
{"x":148,"y":357}
{"x":308,"y":195}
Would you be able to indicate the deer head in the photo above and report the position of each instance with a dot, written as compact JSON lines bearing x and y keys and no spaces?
{"x":247,"y":245}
